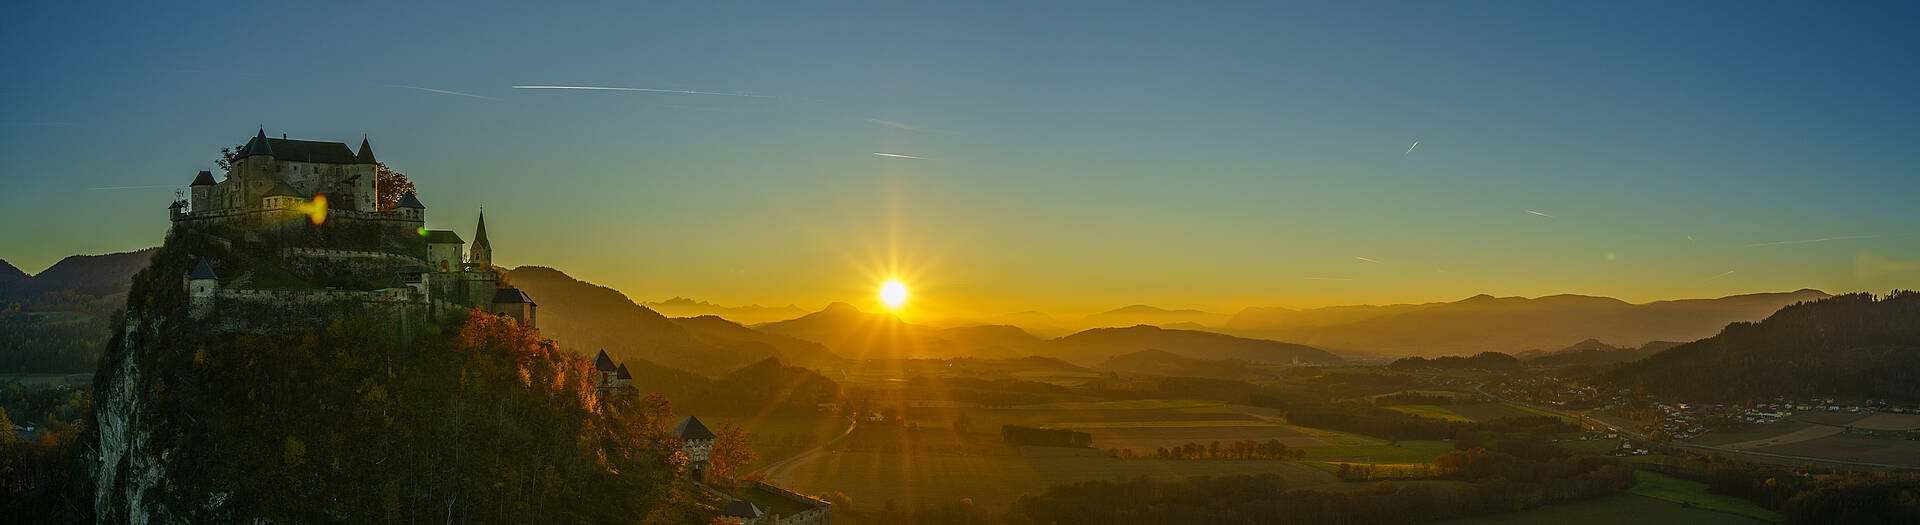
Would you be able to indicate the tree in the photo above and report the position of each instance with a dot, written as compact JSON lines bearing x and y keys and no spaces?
{"x":388,"y":186}
{"x":729,"y":458}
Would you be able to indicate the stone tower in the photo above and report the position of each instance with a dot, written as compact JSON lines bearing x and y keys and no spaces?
{"x":202,"y":189}
{"x":202,"y":286}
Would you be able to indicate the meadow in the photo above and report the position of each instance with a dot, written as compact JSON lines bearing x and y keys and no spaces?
{"x":1610,"y":510}
{"x":872,"y":479}
{"x":1669,"y":488}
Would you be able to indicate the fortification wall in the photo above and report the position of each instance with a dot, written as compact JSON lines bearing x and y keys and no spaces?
{"x":332,"y":266}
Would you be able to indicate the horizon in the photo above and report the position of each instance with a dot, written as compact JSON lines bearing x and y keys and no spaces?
{"x":1365,"y":155}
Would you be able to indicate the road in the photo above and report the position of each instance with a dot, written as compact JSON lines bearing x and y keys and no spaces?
{"x":1595,"y":422}
{"x":771,"y":469}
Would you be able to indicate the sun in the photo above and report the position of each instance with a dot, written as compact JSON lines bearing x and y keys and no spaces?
{"x":893,"y":294}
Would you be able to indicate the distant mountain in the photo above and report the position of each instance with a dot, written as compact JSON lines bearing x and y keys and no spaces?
{"x":586,"y":318}
{"x":1140,"y":314}
{"x":1101,"y":343}
{"x":855,"y":334}
{"x":749,"y":314}
{"x":9,"y":274}
{"x":768,"y":387}
{"x":100,"y":275}
{"x":1506,"y":324}
{"x":1160,"y":363}
{"x":1851,"y":345}
{"x":721,"y":332}
{"x":1592,"y":352}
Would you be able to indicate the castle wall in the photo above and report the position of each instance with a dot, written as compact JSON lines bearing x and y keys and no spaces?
{"x":318,"y":265}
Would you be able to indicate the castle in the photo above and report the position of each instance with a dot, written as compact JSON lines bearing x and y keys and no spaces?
{"x":313,"y":210}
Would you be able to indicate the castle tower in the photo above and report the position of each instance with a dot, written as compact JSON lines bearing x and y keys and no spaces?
{"x":202,"y":188}
{"x":202,"y":285}
{"x":482,"y":252}
{"x":410,"y":208}
{"x":443,"y":250}
{"x":512,"y":302}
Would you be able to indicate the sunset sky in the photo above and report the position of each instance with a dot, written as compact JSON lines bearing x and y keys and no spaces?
{"x":1069,"y":159}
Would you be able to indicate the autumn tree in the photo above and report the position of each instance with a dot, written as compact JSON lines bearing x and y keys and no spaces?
{"x":730,"y":456}
{"x":388,"y":186}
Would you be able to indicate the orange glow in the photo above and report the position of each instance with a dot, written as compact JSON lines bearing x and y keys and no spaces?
{"x":315,"y":209}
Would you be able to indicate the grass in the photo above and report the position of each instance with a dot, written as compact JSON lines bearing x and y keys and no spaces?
{"x":872,"y":479}
{"x":1619,"y":508}
{"x":1537,"y":412}
{"x":1669,"y":488}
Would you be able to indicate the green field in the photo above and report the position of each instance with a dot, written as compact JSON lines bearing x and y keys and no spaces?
{"x":1382,"y":452}
{"x":872,"y":479}
{"x":1619,"y":508}
{"x":1669,"y":488}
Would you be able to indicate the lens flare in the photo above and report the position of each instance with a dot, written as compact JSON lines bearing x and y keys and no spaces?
{"x":315,"y":209}
{"x":893,"y":294}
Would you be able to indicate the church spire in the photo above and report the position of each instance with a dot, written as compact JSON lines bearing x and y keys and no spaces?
{"x":481,"y":251}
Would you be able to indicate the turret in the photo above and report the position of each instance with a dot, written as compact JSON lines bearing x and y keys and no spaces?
{"x":202,"y":285}
{"x":202,"y":191}
{"x":365,"y":156}
{"x":512,"y":302}
{"x":409,"y":208}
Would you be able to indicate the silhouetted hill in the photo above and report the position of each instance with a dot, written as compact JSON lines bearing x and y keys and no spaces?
{"x":9,"y":274}
{"x":749,"y":314}
{"x":768,"y":387}
{"x":1160,"y":363}
{"x":721,"y":332}
{"x":1849,"y":345}
{"x":1507,"y":324}
{"x":1101,"y":343}
{"x":1592,"y":352}
{"x":855,"y":334}
{"x":99,"y":275}
{"x":1140,"y":314}
{"x":585,"y":317}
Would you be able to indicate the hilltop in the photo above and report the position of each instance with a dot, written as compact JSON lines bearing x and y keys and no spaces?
{"x":99,"y":275}
{"x":1852,"y":345}
{"x":1507,"y":324}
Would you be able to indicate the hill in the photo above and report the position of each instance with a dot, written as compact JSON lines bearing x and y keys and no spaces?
{"x":1592,"y":352}
{"x":1507,"y":324}
{"x":1852,"y":345}
{"x":723,"y":333}
{"x":1101,"y":343}
{"x":475,"y":419}
{"x":753,"y":313}
{"x":1140,"y":314}
{"x":98,"y":275}
{"x":585,"y":318}
{"x":856,"y":334}
{"x":1160,"y":363}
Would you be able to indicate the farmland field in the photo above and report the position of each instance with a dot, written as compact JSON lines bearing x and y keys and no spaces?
{"x":1591,"y":446}
{"x":872,"y":479}
{"x":1608,"y":511}
{"x":1848,"y":448}
{"x":1669,"y":488}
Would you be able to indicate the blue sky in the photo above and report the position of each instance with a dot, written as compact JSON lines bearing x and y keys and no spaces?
{"x":1073,"y":156}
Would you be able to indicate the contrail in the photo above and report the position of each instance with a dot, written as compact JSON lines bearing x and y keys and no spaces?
{"x":897,"y":156}
{"x":1542,"y":214}
{"x":1805,"y":241}
{"x":440,"y":91}
{"x":1416,"y":144}
{"x":129,"y":187}
{"x":1366,"y":259}
{"x":1722,"y":274}
{"x":646,"y":90}
{"x":1329,"y":279}
{"x":891,"y":124}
